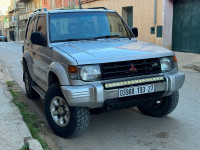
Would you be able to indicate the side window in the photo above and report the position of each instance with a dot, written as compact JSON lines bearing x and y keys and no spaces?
{"x":30,"y":28}
{"x":28,"y":25}
{"x":41,"y":27}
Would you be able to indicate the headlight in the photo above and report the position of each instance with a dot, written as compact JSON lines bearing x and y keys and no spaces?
{"x":90,"y":72}
{"x":167,"y":64}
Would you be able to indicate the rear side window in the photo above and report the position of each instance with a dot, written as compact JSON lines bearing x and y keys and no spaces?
{"x":30,"y":28}
{"x":41,"y":27}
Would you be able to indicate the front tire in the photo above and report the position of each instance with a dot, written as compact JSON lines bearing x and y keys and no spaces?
{"x":64,"y":120}
{"x":160,"y":107}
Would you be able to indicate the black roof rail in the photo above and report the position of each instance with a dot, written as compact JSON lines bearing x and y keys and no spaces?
{"x":40,"y":9}
{"x":98,"y":8}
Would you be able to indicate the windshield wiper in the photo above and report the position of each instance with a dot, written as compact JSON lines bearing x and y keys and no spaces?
{"x":67,"y":40}
{"x":106,"y":36}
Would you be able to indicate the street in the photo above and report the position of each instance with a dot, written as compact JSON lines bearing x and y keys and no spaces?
{"x":127,"y":129}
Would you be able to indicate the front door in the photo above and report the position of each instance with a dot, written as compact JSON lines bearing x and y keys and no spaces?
{"x":42,"y":54}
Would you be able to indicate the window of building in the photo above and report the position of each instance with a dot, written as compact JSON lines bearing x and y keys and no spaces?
{"x":127,"y":15}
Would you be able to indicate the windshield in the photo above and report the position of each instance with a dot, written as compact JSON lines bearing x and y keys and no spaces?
{"x":86,"y":25}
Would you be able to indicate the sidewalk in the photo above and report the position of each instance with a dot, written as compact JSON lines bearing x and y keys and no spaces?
{"x":188,"y":60}
{"x":13,"y":130}
{"x":19,"y":42}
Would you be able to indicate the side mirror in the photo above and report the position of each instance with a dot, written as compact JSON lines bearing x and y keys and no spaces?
{"x":135,"y":31}
{"x":37,"y":38}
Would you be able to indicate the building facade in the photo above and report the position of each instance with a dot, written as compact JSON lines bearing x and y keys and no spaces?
{"x":173,"y":24}
{"x":147,"y":16}
{"x":66,"y":4}
{"x":29,"y":7}
{"x":21,"y":11}
{"x":4,"y":25}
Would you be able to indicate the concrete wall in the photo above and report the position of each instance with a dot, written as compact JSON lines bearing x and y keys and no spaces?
{"x":143,"y":15}
{"x":167,"y":23}
{"x":3,"y":31}
{"x":46,"y":4}
{"x":32,"y":5}
{"x":60,"y":3}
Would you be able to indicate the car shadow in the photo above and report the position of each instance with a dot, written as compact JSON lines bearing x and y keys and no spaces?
{"x":116,"y":127}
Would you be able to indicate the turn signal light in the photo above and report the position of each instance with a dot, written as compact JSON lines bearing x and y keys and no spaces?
{"x":73,"y":69}
{"x":175,"y":59}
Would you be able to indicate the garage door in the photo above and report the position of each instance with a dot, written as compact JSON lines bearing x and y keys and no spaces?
{"x":186,"y":26}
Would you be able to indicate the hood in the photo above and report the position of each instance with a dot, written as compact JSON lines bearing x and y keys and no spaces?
{"x":111,"y":50}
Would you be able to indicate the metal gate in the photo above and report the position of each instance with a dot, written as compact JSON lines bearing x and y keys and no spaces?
{"x":186,"y":26}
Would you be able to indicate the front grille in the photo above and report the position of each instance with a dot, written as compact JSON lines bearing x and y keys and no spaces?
{"x":132,"y":68}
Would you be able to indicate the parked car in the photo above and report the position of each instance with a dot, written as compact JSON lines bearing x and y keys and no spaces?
{"x":3,"y":38}
{"x":89,"y":60}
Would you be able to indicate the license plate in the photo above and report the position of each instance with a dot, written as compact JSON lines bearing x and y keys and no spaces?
{"x":136,"y":90}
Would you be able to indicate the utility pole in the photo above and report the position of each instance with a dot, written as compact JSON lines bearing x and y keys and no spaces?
{"x":1,"y":27}
{"x":80,"y":7}
{"x":1,"y":23}
{"x":73,"y":4}
{"x":16,"y":22}
{"x":69,"y":4}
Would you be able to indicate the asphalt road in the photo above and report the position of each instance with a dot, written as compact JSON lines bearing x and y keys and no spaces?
{"x":128,"y":129}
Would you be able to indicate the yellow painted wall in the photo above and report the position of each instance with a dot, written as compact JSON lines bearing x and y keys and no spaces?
{"x":143,"y":15}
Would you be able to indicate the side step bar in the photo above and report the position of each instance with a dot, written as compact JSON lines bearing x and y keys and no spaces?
{"x":39,"y":91}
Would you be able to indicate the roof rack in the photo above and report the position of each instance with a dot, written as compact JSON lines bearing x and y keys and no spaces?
{"x":98,"y":8}
{"x":40,"y":9}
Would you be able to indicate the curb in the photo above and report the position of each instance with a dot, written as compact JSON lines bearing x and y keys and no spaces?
{"x":32,"y":143}
{"x":19,"y":42}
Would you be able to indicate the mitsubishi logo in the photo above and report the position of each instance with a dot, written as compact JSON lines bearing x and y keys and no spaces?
{"x":154,"y":65}
{"x":133,"y":69}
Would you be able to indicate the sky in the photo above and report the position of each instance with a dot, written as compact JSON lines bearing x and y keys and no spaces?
{"x":4,"y":6}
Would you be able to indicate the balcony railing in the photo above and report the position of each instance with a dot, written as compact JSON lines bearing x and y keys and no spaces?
{"x":88,"y":1}
{"x":20,"y":5}
{"x":21,"y":23}
{"x":25,"y":16}
{"x":12,"y":23}
{"x":22,"y":12}
{"x":6,"y":25}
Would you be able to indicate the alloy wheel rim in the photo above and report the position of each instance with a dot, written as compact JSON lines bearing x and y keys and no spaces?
{"x":59,"y":111}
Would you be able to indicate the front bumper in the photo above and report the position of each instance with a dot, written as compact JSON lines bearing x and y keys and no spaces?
{"x":94,"y":96}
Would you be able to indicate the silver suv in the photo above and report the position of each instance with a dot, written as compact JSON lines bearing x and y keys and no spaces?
{"x":89,"y":61}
